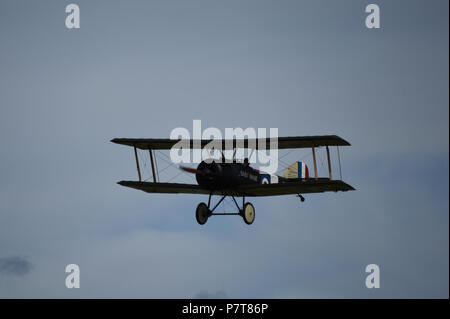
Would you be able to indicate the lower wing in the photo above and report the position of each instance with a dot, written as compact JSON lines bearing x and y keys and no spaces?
{"x":290,"y":187}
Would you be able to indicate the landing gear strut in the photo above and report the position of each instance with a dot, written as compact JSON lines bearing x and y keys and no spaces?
{"x":203,"y":211}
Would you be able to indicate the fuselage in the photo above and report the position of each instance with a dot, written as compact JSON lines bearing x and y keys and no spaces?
{"x":226,"y":175}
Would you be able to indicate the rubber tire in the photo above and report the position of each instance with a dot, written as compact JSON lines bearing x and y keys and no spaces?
{"x":202,"y":213}
{"x":248,"y":215}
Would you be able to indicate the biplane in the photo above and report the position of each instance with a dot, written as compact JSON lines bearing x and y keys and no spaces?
{"x":234,"y":178}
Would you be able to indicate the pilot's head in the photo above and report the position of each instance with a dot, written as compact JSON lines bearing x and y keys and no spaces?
{"x":246,"y":161}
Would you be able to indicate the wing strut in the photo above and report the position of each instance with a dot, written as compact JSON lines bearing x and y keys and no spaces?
{"x":329,"y":164}
{"x":137,"y":164}
{"x":315,"y":163}
{"x":153,"y":165}
{"x":156,"y":166}
{"x":339,"y":159}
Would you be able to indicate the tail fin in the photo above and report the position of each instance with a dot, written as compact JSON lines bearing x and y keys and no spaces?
{"x":297,"y":170}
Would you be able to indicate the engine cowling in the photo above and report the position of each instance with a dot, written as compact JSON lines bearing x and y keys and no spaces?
{"x":208,"y":174}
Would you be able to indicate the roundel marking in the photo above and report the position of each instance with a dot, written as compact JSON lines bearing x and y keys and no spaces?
{"x":265,"y":180}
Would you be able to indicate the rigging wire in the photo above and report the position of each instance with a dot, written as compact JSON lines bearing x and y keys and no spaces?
{"x":169,"y":161}
{"x":146,"y":169}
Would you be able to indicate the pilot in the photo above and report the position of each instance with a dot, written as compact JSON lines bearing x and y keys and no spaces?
{"x":246,"y":161}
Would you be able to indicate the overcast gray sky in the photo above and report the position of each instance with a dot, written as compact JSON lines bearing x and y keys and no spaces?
{"x":142,"y":68}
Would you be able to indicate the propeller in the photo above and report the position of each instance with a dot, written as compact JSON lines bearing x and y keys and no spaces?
{"x":191,"y":170}
{"x":198,"y":171}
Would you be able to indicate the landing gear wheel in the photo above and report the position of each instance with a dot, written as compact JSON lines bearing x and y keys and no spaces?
{"x":202,"y":213}
{"x":248,"y":213}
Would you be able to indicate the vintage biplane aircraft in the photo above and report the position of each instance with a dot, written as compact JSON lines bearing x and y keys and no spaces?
{"x":238,"y":179}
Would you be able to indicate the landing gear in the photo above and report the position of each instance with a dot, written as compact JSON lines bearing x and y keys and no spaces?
{"x":302,"y":199}
{"x":248,"y":213}
{"x":203,"y":211}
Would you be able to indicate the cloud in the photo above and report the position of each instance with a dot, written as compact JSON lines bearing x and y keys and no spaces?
{"x":207,"y":295}
{"x":16,"y":265}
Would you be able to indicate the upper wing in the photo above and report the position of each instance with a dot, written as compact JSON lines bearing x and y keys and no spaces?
{"x":283,"y":142}
{"x":291,"y":187}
